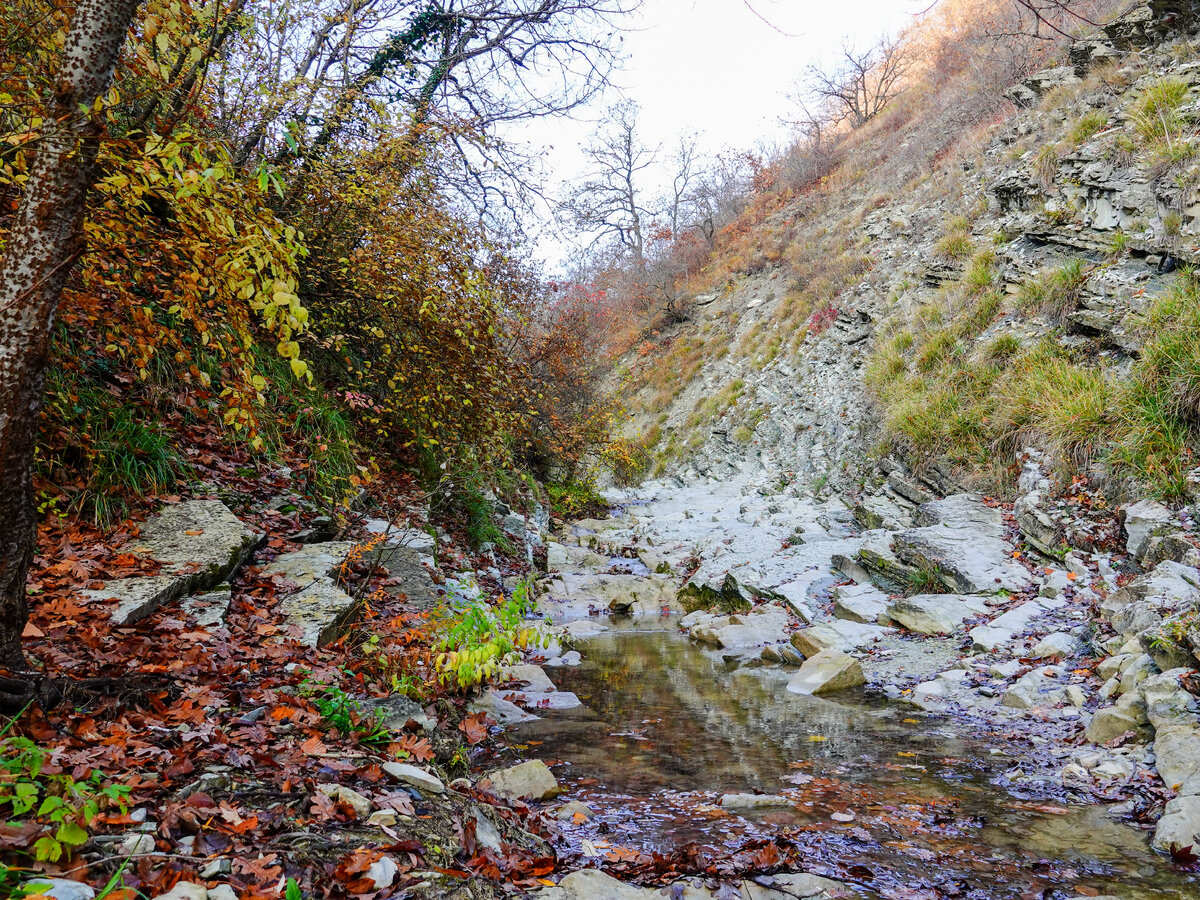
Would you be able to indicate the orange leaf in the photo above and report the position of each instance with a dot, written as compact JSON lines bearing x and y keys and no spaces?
{"x":313,"y":746}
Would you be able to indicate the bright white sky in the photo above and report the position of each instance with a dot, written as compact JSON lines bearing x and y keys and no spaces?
{"x":714,"y":67}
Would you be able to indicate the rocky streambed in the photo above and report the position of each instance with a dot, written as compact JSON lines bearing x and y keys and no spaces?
{"x":917,"y":712}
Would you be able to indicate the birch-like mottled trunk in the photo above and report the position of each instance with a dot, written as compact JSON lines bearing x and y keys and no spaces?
{"x":45,"y":241}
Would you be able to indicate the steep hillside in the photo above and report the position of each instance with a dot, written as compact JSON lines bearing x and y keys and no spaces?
{"x":948,"y":295}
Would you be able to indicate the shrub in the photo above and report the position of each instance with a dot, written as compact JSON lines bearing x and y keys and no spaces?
{"x":59,"y":807}
{"x":1155,"y":115}
{"x":937,"y":347}
{"x":477,"y":639}
{"x":1088,"y":125}
{"x":1004,"y":346}
{"x":1073,"y":410}
{"x":982,"y":274}
{"x":956,"y":245}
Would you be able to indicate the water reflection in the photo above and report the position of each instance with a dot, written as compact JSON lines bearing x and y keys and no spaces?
{"x":666,"y":727}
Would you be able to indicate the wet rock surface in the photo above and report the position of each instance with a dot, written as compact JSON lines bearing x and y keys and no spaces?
{"x":1002,"y":679}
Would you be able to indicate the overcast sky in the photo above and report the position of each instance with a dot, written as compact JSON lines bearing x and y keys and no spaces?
{"x":714,"y":67}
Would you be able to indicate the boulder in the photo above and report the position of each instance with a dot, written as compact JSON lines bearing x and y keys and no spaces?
{"x":505,"y":712}
{"x":199,"y":544}
{"x":1137,"y":670}
{"x":1167,"y":703}
{"x":816,"y":638}
{"x":1175,"y":547}
{"x":1179,"y":826}
{"x":935,"y":613}
{"x":1037,"y":525}
{"x":1109,"y":723}
{"x":1166,"y":643}
{"x":531,"y":780}
{"x":1018,"y":697}
{"x":634,"y":594}
{"x":839,"y":634}
{"x":1142,"y":521}
{"x":859,"y":603}
{"x":1146,"y":601}
{"x":827,"y":672}
{"x":750,"y":634}
{"x":572,"y":810}
{"x":1177,"y":753}
{"x":361,"y":805}
{"x":1056,"y":645}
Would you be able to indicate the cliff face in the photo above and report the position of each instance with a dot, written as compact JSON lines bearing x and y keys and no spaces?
{"x":894,"y":321}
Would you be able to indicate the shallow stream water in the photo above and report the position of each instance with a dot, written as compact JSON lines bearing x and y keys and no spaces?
{"x":901,"y":803}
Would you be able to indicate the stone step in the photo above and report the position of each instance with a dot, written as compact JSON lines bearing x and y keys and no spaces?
{"x":199,"y":543}
{"x":312,"y":601}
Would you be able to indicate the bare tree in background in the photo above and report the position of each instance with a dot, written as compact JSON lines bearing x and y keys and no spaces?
{"x":1051,"y":18}
{"x":686,"y":171}
{"x":610,"y":202}
{"x":862,"y":83}
{"x":290,"y":86}
{"x":720,"y":193}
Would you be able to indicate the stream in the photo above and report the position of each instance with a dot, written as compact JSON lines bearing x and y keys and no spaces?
{"x":905,"y":804}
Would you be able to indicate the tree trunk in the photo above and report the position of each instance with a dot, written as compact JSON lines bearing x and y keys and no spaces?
{"x":45,"y":241}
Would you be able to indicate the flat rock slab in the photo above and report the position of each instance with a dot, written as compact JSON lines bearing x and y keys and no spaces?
{"x":413,"y":538}
{"x":551,"y":700}
{"x":409,"y":576}
{"x":534,"y":677}
{"x":319,"y":608}
{"x":877,"y":556}
{"x":309,"y":564}
{"x":199,"y":543}
{"x":418,"y":778}
{"x":965,"y":560}
{"x":592,"y":884}
{"x":208,"y":610}
{"x":505,"y":712}
{"x":746,"y":802}
{"x":962,"y":511}
{"x":1006,"y":626}
{"x":935,"y":613}
{"x":840,"y":634}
